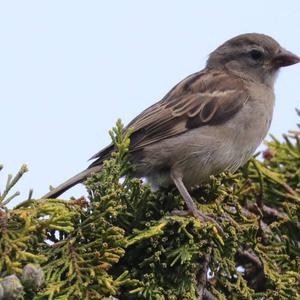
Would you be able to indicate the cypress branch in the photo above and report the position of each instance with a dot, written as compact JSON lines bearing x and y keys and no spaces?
{"x":123,"y":242}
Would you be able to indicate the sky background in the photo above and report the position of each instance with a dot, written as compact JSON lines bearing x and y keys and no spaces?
{"x":70,"y":69}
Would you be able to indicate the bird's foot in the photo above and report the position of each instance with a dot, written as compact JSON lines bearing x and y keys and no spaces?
{"x":205,"y":218}
{"x":192,"y":208}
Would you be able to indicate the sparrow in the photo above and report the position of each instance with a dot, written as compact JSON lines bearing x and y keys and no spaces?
{"x":210,"y":122}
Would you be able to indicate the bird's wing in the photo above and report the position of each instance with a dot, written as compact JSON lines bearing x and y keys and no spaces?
{"x":203,"y":98}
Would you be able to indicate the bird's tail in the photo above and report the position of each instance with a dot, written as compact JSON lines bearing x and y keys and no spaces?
{"x":80,"y":177}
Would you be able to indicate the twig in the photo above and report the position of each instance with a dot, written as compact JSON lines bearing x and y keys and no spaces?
{"x":289,"y":189}
{"x":251,"y":256}
{"x":208,"y":295}
{"x":248,"y":213}
{"x":264,"y":230}
{"x":273,"y":212}
{"x":202,"y":277}
{"x":258,"y":281}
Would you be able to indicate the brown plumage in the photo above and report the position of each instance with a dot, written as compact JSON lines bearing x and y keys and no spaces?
{"x":209,"y":122}
{"x":207,"y":97}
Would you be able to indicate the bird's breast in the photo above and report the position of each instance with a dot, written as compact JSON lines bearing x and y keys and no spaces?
{"x":247,"y":129}
{"x":208,"y":150}
{"x":225,"y":147}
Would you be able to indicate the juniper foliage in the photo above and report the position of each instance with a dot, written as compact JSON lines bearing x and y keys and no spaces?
{"x":124,"y":242}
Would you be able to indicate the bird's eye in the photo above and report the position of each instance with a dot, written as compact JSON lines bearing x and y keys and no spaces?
{"x":256,"y":54}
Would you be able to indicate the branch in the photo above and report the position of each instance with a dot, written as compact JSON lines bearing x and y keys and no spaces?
{"x":202,"y":277}
{"x":251,"y":256}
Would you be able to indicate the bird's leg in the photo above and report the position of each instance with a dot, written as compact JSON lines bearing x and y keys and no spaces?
{"x":192,"y":208}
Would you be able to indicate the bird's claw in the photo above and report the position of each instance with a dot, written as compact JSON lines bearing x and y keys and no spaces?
{"x":205,"y":218}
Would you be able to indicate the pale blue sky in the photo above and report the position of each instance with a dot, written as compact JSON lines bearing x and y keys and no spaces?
{"x":69,"y":69}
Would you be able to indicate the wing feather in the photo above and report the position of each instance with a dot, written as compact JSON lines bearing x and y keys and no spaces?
{"x":204,"y":98}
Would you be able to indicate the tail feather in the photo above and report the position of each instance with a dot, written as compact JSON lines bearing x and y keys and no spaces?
{"x":80,"y":177}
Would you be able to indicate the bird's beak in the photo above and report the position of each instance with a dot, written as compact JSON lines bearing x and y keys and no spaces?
{"x":284,"y":58}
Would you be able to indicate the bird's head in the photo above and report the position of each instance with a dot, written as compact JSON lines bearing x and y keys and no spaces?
{"x":254,"y":56}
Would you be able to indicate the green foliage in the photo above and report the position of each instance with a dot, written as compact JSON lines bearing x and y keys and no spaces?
{"x":124,"y":242}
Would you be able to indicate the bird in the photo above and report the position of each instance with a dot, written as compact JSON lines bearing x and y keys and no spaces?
{"x":210,"y":122}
